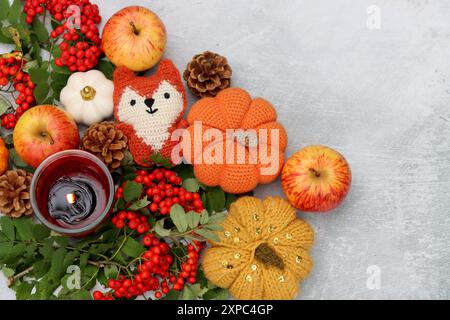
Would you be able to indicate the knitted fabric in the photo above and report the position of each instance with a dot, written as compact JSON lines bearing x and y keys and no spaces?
{"x":149,"y":109}
{"x":234,"y":109}
{"x":257,"y":235}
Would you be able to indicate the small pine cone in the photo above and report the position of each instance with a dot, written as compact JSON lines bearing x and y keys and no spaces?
{"x":15,"y":193}
{"x":207,"y":74}
{"x":107,"y":143}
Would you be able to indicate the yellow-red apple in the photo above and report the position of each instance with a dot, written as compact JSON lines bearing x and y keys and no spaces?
{"x":134,"y":37}
{"x":316,"y":179}
{"x":43,"y":131}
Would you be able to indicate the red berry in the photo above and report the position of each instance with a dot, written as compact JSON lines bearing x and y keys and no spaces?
{"x":98,"y":295}
{"x":153,"y":207}
{"x":67,"y":37}
{"x":141,"y":228}
{"x":64,"y":46}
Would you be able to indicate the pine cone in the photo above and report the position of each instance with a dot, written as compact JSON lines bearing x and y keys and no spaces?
{"x":207,"y":74}
{"x":15,"y":193}
{"x":107,"y":143}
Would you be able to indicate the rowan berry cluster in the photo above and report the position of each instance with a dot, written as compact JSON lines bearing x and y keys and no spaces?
{"x":11,"y":70}
{"x":154,"y":272}
{"x":78,"y":34}
{"x":134,"y":221}
{"x":163,"y":189}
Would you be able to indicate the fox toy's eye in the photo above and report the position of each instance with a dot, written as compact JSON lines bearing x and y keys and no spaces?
{"x":133,"y":102}
{"x":167,"y":95}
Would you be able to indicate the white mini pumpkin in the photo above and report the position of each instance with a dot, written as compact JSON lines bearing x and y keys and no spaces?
{"x":88,"y":97}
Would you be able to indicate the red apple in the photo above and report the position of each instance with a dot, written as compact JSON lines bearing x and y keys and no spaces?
{"x":316,"y":179}
{"x":43,"y":131}
{"x":134,"y":37}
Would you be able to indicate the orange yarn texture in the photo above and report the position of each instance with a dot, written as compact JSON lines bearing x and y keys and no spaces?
{"x":149,"y":109}
{"x":235,"y":109}
{"x":255,"y":233}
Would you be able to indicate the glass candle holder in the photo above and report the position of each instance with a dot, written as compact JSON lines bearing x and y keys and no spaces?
{"x":72,"y":193}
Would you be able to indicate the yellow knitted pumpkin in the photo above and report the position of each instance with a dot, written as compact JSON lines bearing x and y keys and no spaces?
{"x":263,"y":252}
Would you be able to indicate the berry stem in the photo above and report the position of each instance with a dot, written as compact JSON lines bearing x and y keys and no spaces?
{"x":120,"y":247}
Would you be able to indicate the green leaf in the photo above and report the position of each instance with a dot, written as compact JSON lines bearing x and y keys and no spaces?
{"x":40,"y":268}
{"x":4,"y":9}
{"x":41,"y":92}
{"x":4,"y":105}
{"x":57,"y":269}
{"x":179,"y":218}
{"x":39,"y":75}
{"x":76,"y":295}
{"x":88,"y":276}
{"x":5,"y":248}
{"x":15,"y":11}
{"x":213,"y":227}
{"x":70,"y":258}
{"x":126,"y":162}
{"x":216,"y":294}
{"x":84,"y":258}
{"x":23,"y":290}
{"x":191,"y":185}
{"x":132,"y":248}
{"x":40,"y":30}
{"x":172,"y":295}
{"x":120,"y":205}
{"x":101,"y":278}
{"x":187,"y":294}
{"x":46,"y":250}
{"x":140,"y":204}
{"x":23,"y":228}
{"x":132,"y":191}
{"x":40,"y":232}
{"x":217,"y":218}
{"x":107,"y":68}
{"x":15,"y":253}
{"x":57,"y":88}
{"x":60,"y":78}
{"x":8,"y":139}
{"x":204,"y":217}
{"x":34,"y":64}
{"x":215,"y":199}
{"x":208,"y":235}
{"x":7,"y":227}
{"x":193,"y":219}
{"x":160,"y":160}
{"x":111,"y":272}
{"x":17,"y":160}
{"x":160,"y":230}
{"x":230,"y":198}
{"x":185,"y":171}
{"x":61,"y":241}
{"x":8,"y":272}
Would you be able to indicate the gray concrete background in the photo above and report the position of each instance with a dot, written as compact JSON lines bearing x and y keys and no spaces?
{"x":380,"y":96}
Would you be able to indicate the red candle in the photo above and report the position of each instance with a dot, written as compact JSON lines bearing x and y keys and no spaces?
{"x":72,"y":192}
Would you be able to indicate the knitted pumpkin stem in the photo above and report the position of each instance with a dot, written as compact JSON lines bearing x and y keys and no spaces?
{"x":268,"y":256}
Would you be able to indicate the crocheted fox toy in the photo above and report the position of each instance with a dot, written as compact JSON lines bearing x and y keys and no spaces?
{"x":149,"y":109}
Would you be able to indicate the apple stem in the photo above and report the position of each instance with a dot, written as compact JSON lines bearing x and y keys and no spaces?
{"x":135,"y":30}
{"x":316,"y":173}
{"x":45,"y":135}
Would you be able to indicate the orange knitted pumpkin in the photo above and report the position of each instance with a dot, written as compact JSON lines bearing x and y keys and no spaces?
{"x":239,"y":164}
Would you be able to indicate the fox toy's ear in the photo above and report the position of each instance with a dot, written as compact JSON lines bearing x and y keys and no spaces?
{"x":167,"y":69}
{"x":123,"y":74}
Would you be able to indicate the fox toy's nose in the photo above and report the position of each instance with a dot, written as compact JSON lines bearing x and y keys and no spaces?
{"x":149,"y":102}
